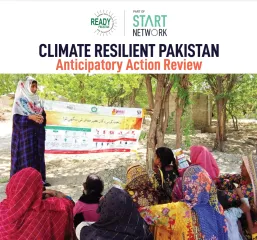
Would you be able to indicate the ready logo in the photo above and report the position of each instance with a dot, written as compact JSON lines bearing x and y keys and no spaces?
{"x":104,"y":22}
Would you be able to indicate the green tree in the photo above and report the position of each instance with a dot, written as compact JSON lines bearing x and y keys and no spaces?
{"x":102,"y":89}
{"x":242,"y":100}
{"x":8,"y":82}
{"x":222,"y":87}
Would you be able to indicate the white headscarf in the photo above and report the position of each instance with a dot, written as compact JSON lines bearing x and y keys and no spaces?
{"x":26,"y":102}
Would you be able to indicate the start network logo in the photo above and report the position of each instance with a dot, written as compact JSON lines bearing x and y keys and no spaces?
{"x":104,"y":22}
{"x":149,"y":25}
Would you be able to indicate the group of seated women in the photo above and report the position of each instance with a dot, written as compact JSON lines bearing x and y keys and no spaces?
{"x":193,"y":203}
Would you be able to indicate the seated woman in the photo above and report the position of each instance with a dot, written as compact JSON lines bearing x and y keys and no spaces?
{"x":198,"y":216}
{"x":85,"y":208}
{"x":140,"y":187}
{"x":119,"y":220}
{"x":248,"y":187}
{"x":233,"y":215}
{"x":228,"y":194}
{"x":199,"y":155}
{"x":165,"y":173}
{"x":24,"y":214}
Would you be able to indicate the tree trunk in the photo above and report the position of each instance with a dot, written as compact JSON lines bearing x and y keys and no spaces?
{"x":152,"y":141}
{"x":220,"y":132}
{"x":149,"y":89}
{"x":179,"y":113}
{"x":166,"y":112}
{"x":180,"y":107}
{"x":225,"y":123}
{"x":237,"y":124}
{"x":122,"y":102}
{"x":159,"y":119}
{"x":234,"y":122}
{"x":132,"y":101}
{"x":234,"y":119}
{"x":164,"y":115}
{"x":221,"y":87}
{"x":221,"y":117}
{"x":82,"y":86}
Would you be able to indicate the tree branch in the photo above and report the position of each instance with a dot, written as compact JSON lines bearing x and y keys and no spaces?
{"x":212,"y":85}
{"x":153,"y":75}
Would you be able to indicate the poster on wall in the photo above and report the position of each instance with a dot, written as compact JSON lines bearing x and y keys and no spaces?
{"x":82,"y":128}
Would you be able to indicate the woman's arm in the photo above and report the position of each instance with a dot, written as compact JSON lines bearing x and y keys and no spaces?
{"x":246,"y":209}
{"x":252,"y":228}
{"x":54,"y":193}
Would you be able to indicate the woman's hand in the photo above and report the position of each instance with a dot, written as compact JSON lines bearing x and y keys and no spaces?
{"x":36,"y":118}
{"x":239,"y":192}
{"x":53,"y":193}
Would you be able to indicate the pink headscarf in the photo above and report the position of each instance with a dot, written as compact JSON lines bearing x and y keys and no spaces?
{"x":200,"y":155}
{"x":25,"y":215}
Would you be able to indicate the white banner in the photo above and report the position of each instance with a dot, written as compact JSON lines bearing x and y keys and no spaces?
{"x":80,"y":128}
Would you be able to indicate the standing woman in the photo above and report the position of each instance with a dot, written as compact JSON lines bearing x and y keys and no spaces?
{"x":28,"y":136}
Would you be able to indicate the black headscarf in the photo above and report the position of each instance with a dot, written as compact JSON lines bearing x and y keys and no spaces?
{"x":90,"y":198}
{"x":119,"y":219}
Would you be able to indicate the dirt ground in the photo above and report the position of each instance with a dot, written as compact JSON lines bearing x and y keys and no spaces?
{"x":67,"y":172}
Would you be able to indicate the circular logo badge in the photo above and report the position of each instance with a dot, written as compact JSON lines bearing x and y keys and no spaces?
{"x":104,"y":22}
{"x":93,"y":109}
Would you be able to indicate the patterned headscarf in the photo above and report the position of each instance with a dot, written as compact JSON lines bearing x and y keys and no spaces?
{"x":251,"y":166}
{"x":140,"y":187}
{"x":119,"y":220}
{"x":25,"y":215}
{"x":26,"y":102}
{"x":201,"y":196}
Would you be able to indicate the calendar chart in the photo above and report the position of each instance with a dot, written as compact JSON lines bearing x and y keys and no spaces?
{"x":81,"y":128}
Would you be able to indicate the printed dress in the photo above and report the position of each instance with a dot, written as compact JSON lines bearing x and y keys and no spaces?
{"x":28,"y":145}
{"x":225,"y":183}
{"x":172,"y":221}
{"x":198,"y":216}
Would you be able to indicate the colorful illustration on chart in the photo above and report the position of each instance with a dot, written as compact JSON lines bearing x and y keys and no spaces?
{"x":80,"y":130}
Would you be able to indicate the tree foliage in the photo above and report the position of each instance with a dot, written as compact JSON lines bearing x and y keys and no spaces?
{"x":240,"y":99}
{"x":102,"y":89}
{"x":235,"y":94}
{"x":9,"y":82}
